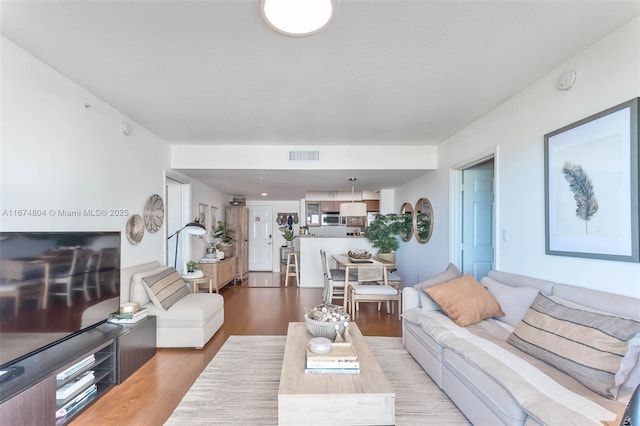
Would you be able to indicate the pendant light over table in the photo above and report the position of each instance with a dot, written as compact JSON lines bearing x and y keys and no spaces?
{"x":353,"y":209}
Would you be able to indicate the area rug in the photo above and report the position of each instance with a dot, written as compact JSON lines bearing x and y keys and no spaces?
{"x":240,"y":386}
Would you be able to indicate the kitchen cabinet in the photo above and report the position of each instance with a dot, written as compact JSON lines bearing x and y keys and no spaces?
{"x":372,"y":205}
{"x":330,"y":206}
{"x":313,"y":213}
{"x":237,"y":217}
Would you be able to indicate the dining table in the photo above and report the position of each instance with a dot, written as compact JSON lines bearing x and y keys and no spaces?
{"x":344,"y":261}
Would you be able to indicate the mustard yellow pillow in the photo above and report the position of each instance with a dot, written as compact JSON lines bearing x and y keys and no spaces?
{"x":465,"y":300}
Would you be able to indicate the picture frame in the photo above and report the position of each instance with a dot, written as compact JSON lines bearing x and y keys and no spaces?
{"x":591,"y":186}
{"x":214,"y":217}
{"x":203,"y":212}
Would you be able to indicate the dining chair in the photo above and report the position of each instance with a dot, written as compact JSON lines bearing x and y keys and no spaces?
{"x":376,"y":288}
{"x":334,"y":280}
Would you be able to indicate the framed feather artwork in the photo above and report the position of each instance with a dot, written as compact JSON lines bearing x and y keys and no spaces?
{"x":591,"y":186}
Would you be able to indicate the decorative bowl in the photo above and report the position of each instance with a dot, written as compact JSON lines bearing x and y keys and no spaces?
{"x":324,"y":328}
{"x":359,"y":254}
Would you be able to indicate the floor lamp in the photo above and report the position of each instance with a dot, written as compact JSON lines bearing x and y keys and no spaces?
{"x":193,"y":228}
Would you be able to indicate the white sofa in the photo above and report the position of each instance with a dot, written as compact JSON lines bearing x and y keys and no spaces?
{"x":491,"y":381}
{"x":190,"y":322}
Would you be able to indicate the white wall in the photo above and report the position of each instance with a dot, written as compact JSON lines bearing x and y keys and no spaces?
{"x":608,"y":74}
{"x":55,"y":154}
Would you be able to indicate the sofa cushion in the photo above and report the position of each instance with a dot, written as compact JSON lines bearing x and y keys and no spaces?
{"x":514,"y":301}
{"x":586,"y":345}
{"x":165,"y":288}
{"x":450,"y":273}
{"x":137,"y":291}
{"x":465,"y":300}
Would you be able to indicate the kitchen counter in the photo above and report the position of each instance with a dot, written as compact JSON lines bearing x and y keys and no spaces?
{"x":311,"y":274}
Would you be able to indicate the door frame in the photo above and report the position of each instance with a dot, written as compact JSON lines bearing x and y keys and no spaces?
{"x":455,"y":205}
{"x":185,"y":212}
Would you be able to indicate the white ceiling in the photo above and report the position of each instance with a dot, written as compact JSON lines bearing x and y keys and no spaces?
{"x":383,"y":72}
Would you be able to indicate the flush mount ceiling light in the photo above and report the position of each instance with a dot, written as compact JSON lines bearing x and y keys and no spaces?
{"x":353,"y":209}
{"x":297,"y":17}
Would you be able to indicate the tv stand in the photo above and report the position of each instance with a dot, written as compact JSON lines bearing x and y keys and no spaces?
{"x":117,"y":349}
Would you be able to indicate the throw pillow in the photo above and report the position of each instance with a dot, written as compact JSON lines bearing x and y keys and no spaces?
{"x":465,"y":300}
{"x":448,"y":274}
{"x":165,"y":288}
{"x":514,"y":301}
{"x":586,"y":345}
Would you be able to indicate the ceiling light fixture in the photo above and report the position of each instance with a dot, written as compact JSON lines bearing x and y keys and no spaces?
{"x":297,"y":17}
{"x":353,"y":209}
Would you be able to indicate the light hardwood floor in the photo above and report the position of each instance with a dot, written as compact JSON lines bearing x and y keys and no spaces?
{"x":149,"y":396}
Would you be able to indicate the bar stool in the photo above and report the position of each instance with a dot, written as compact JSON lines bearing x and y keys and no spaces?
{"x":292,"y":268}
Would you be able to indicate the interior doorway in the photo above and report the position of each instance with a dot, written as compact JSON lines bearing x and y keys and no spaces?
{"x":177,"y":198}
{"x":474,"y":219}
{"x":260,"y":238}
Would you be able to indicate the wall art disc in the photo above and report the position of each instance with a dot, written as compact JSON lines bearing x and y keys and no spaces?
{"x":154,"y":213}
{"x":135,"y":229}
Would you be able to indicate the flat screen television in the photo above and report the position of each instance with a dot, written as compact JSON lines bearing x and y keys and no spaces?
{"x":53,"y":286}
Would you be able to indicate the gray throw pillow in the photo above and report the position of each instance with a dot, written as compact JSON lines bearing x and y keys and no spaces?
{"x":448,"y":274}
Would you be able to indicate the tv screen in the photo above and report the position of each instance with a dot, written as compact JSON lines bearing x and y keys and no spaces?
{"x":53,"y":285}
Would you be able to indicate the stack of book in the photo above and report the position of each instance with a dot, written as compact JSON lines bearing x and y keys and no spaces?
{"x":342,"y":359}
{"x":75,"y":368}
{"x":78,"y":402}
{"x":129,"y":318}
{"x":75,"y":385}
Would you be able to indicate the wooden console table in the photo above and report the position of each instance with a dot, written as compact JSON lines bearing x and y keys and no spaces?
{"x":221,"y":272}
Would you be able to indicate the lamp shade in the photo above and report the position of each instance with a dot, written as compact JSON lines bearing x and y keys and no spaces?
{"x":353,"y":209}
{"x":195,"y":228}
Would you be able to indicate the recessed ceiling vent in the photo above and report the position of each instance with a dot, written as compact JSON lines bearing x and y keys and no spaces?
{"x":304,"y":155}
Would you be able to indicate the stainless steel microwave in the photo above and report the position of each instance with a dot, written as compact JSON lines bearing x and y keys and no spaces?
{"x":333,"y":219}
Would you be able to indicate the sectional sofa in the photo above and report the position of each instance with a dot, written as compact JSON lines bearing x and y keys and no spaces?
{"x":537,"y":352}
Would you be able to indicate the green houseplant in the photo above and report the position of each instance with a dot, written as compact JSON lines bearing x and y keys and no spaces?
{"x":192,"y":266}
{"x":227,"y":237}
{"x":383,"y":233}
{"x":288,"y":235}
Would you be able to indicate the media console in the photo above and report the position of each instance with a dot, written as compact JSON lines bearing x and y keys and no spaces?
{"x":112,"y":352}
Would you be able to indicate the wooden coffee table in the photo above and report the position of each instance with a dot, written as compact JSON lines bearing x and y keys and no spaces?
{"x":348,"y":399}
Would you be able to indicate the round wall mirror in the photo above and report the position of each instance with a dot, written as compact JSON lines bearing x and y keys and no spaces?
{"x":424,"y":220}
{"x":406,"y":222}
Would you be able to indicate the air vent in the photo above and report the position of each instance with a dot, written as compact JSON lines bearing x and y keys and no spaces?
{"x":304,"y":155}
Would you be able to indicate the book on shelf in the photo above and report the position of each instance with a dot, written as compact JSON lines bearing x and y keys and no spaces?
{"x":75,"y":385}
{"x":128,"y":318}
{"x":76,"y":367}
{"x":77,"y":402}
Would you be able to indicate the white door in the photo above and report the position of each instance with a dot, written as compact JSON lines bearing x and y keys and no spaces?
{"x":477,"y":222}
{"x":260,"y":238}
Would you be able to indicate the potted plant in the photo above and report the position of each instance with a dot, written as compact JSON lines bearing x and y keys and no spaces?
{"x":193,"y":269}
{"x":288,"y":235}
{"x":227,"y":237}
{"x":383,"y":234}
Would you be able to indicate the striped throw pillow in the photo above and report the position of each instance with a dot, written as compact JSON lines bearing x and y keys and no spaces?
{"x":586,"y":345}
{"x":165,"y":288}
